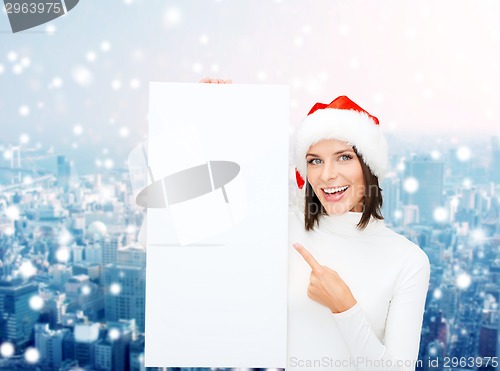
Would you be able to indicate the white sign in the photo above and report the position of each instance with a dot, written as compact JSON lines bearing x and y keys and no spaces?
{"x":216,"y":276}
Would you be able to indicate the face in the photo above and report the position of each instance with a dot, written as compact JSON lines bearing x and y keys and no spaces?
{"x":335,"y":174}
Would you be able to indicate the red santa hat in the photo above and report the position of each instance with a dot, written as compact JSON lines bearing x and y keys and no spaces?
{"x":343,"y":120}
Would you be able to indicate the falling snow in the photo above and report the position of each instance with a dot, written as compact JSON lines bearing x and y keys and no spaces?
{"x":36,"y":302}
{"x":463,"y":281}
{"x":24,"y":110}
{"x":62,"y":255}
{"x":464,"y":153}
{"x":7,"y":349}
{"x":440,"y":214}
{"x":115,"y":289}
{"x":32,"y":355}
{"x":77,"y":130}
{"x":12,"y":212}
{"x":82,"y":76}
{"x":410,"y":185}
{"x":27,"y":269}
{"x":114,"y":334}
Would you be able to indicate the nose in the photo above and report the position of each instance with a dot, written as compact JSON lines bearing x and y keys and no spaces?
{"x":329,"y":171}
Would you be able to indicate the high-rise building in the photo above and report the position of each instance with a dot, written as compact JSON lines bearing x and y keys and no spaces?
{"x":93,"y":252}
{"x":68,"y":345}
{"x":103,"y":355}
{"x":55,"y":307}
{"x":85,"y":296}
{"x":120,"y":334}
{"x":134,"y":255}
{"x":49,"y":344}
{"x":429,"y":191}
{"x":125,"y":291}
{"x":109,"y":246}
{"x":137,"y":354}
{"x":488,"y":340}
{"x":391,"y":192}
{"x":63,"y":172}
{"x":92,"y":270}
{"x":459,"y":163}
{"x":86,"y":337}
{"x":495,"y":160}
{"x":59,"y":275}
{"x":17,"y":317}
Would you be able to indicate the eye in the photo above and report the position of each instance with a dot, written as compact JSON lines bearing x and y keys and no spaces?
{"x":314,"y":161}
{"x":345,"y":157}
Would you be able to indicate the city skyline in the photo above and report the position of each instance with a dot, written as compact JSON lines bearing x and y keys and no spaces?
{"x":75,"y":261}
{"x":74,"y":103}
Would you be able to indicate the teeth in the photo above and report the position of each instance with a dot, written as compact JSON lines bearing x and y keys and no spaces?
{"x":335,"y":190}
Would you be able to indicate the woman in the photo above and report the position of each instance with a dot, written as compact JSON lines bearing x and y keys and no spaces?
{"x":356,"y":289}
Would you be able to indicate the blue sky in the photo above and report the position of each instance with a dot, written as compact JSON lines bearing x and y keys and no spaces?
{"x":80,"y":82}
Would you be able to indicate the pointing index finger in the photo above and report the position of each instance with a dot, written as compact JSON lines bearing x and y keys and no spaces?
{"x":313,"y":263}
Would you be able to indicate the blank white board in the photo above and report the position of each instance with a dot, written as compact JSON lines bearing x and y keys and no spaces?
{"x":216,"y":275}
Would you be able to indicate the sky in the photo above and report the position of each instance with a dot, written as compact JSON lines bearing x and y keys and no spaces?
{"x":79,"y":84}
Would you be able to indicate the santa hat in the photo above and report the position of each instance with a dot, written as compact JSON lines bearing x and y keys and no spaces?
{"x":343,"y":120}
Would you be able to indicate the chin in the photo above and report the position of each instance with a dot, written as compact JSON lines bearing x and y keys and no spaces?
{"x":336,"y":209}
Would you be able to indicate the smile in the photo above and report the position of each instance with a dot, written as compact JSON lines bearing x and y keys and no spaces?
{"x":335,"y":190}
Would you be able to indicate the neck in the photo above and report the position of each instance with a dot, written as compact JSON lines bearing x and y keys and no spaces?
{"x":346,"y":224}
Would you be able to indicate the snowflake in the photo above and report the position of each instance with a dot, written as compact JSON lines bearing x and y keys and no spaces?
{"x":82,"y":76}
{"x":410,"y":185}
{"x":463,"y":281}
{"x":62,"y":255}
{"x":173,"y":17}
{"x":115,"y":288}
{"x":31,"y":355}
{"x":7,"y":349}
{"x":27,"y":269}
{"x":463,"y":153}
{"x":36,"y":302}
{"x":114,"y":334}
{"x":440,"y":214}
{"x":24,"y":110}
{"x":77,"y":129}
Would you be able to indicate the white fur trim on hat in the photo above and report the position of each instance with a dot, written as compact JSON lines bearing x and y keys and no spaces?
{"x":354,"y":127}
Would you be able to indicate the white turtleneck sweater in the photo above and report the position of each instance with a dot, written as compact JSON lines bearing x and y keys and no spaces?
{"x":389,"y":277}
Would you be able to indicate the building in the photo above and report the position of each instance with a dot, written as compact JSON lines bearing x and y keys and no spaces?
{"x":63,"y":172}
{"x":125,"y":293}
{"x":495,"y":160}
{"x":59,"y":275}
{"x":49,"y":344}
{"x":86,"y":337}
{"x":136,"y":355}
{"x":109,"y":246}
{"x":103,"y":355}
{"x":391,"y":193}
{"x":17,"y":318}
{"x":429,"y":194}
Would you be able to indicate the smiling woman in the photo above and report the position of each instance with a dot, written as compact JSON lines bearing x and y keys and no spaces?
{"x":334,"y":173}
{"x":357,"y":293}
{"x":339,"y":181}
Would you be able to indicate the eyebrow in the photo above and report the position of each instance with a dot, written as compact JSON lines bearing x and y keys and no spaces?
{"x":336,"y":153}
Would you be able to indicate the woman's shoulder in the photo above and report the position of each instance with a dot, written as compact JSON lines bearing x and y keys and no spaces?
{"x":406,"y":248}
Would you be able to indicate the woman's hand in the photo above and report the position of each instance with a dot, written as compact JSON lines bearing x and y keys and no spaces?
{"x":325,"y":286}
{"x":208,"y":80}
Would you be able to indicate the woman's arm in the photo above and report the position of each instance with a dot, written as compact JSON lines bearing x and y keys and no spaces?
{"x":399,"y":350}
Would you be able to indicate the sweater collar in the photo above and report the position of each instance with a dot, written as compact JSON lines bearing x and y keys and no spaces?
{"x":345,"y":224}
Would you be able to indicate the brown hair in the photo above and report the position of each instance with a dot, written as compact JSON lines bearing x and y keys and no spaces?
{"x":372,"y":201}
